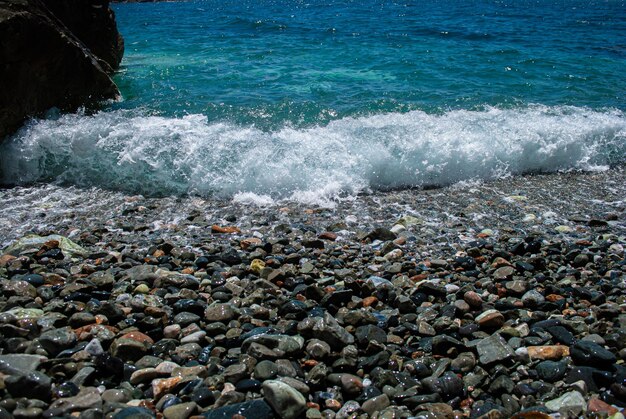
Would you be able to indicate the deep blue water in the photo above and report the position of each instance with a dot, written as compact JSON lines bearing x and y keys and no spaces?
{"x":329,"y":97}
{"x":309,"y":62}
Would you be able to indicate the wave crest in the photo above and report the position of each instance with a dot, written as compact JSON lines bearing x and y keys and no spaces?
{"x":156,"y":155}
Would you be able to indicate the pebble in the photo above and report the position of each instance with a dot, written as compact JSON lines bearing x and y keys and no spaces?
{"x":571,"y":403}
{"x":494,"y":349}
{"x":288,"y":402}
{"x":320,"y":313}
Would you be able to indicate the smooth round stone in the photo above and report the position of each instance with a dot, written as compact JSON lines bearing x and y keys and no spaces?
{"x":533,"y":298}
{"x":451,"y":385}
{"x":194,"y":337}
{"x":26,"y":413}
{"x":166,"y":367}
{"x":265,"y":370}
{"x":375,"y":404}
{"x":247,"y":385}
{"x":504,"y":272}
{"x":185,"y":318}
{"x":142,"y":289}
{"x":551,"y":371}
{"x":143,"y":376}
{"x":516,"y":287}
{"x":284,"y":399}
{"x":167,"y":401}
{"x":180,"y":411}
{"x":171,"y":331}
{"x":115,"y":396}
{"x":35,"y":280}
{"x":473,"y":299}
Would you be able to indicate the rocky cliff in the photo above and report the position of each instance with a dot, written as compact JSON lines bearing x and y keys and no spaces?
{"x":55,"y":53}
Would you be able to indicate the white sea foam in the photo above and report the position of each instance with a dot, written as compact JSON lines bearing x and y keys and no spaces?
{"x":159,"y":155}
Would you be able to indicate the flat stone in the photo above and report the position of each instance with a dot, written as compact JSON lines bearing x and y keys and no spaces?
{"x":505,"y":272}
{"x":180,"y":411}
{"x":56,"y":340}
{"x":32,"y":385}
{"x":590,"y":353}
{"x":134,"y":413}
{"x":490,"y":319}
{"x":284,"y":399}
{"x":596,"y":405}
{"x":88,"y":398}
{"x":572,"y":403}
{"x":254,"y":409}
{"x":219,"y":312}
{"x":21,"y":362}
{"x":128,"y":349}
{"x":494,"y":349}
{"x":143,"y":375}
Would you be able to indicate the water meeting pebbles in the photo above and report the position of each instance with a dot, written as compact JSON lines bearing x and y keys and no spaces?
{"x":139,"y":307}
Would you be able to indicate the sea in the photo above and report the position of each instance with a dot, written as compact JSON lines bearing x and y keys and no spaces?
{"x":322,"y":100}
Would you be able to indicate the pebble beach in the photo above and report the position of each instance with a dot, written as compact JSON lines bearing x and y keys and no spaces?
{"x":482,"y":300}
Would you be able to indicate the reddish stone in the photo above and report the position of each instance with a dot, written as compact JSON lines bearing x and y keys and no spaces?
{"x":370,"y":301}
{"x":6,"y":259}
{"x":328,"y":235}
{"x":224,"y":230}
{"x":500,"y":262}
{"x":598,"y":406}
{"x":164,"y":386}
{"x":139,"y":337}
{"x":250,"y":241}
{"x":419,"y":277}
{"x":473,"y":299}
{"x":551,"y":352}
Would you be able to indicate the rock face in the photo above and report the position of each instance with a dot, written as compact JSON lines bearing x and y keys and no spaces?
{"x":57,"y":53}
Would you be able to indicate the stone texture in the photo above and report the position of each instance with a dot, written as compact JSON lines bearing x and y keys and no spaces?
{"x":46,"y":65}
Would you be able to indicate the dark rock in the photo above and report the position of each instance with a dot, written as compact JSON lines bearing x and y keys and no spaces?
{"x":46,"y":65}
{"x":451,"y":385}
{"x":33,"y":385}
{"x":381,"y":234}
{"x":369,"y":333}
{"x":202,"y":396}
{"x":501,"y":385}
{"x":551,"y":371}
{"x":94,"y":26}
{"x":561,"y":335}
{"x":590,"y":353}
{"x":254,"y":409}
{"x":134,"y":413}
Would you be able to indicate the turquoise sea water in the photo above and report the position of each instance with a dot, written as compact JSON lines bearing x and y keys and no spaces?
{"x":288,"y":98}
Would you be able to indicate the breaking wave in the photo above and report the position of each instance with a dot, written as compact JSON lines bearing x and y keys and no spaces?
{"x":156,"y":155}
